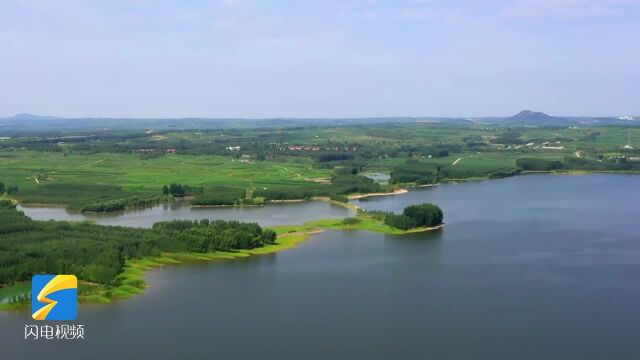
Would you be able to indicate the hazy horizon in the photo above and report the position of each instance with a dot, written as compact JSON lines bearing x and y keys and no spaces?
{"x":319,"y":59}
{"x":50,"y":116}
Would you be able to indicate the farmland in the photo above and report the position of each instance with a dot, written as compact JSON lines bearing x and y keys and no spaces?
{"x":81,"y":169}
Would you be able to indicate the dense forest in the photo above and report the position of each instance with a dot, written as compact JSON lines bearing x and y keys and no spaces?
{"x":413,"y":216}
{"x":98,"y":253}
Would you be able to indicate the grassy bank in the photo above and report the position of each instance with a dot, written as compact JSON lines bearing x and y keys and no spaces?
{"x":367,"y":224}
{"x":131,"y":281}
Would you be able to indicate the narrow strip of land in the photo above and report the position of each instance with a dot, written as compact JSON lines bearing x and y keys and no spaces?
{"x":396,"y":192}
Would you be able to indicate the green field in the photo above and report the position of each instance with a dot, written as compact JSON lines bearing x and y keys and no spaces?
{"x":128,"y":175}
{"x":123,"y":165}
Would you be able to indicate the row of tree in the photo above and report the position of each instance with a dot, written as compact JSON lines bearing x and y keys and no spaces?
{"x":8,"y":189}
{"x":340,"y":185}
{"x":415,"y":171}
{"x":120,"y":204}
{"x":98,"y":253}
{"x":205,"y":235}
{"x":423,"y":215}
{"x":576,"y":163}
{"x":179,"y":190}
{"x":220,"y":195}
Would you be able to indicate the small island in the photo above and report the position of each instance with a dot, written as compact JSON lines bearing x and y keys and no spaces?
{"x":415,"y":218}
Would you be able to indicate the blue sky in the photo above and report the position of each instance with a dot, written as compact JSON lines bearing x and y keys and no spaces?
{"x":359,"y":58}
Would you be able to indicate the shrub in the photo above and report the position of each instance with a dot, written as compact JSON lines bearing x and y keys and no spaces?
{"x":351,"y":221}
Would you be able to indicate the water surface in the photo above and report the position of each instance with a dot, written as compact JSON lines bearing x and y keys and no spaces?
{"x":532,"y":267}
{"x":273,"y":214}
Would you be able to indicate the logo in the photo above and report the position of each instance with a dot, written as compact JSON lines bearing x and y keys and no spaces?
{"x":54,"y":297}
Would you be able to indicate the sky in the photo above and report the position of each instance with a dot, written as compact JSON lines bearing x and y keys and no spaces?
{"x":319,"y":58}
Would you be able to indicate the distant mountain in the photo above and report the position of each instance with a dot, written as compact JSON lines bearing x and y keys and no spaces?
{"x":534,"y":118}
{"x":29,"y":123}
{"x":27,"y":116}
{"x":528,"y":115}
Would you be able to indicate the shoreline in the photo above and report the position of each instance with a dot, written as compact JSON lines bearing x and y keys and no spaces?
{"x":362,"y":196}
{"x":132,"y":280}
{"x":428,"y":185}
{"x":350,"y":197}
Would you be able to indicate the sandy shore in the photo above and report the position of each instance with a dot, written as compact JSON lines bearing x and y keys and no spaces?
{"x":397,"y":192}
{"x":428,"y":185}
{"x":286,"y":201}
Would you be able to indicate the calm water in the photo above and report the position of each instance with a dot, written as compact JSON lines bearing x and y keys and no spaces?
{"x":273,"y":214}
{"x":533,"y":267}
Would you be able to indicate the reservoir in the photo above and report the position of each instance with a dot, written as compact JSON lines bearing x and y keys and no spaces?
{"x":529,"y":267}
{"x":292,"y":213}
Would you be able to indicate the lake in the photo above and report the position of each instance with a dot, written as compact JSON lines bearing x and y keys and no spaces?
{"x":530,"y":267}
{"x":291,"y":213}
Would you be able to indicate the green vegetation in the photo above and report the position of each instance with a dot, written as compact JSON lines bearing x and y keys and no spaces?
{"x":81,"y":179}
{"x":113,"y":170}
{"x":220,"y":195}
{"x":533,"y":164}
{"x":86,"y":197}
{"x":424,"y":214}
{"x":108,"y":170}
{"x":99,"y":254}
{"x":402,"y":222}
{"x":414,"y":171}
{"x":179,"y":190}
{"x":110,"y":261}
{"x":414,"y":216}
{"x":339,"y":186}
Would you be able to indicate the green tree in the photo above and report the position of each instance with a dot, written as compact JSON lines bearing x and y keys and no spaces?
{"x":1,"y":187}
{"x":401,"y":222}
{"x":424,"y":214}
{"x":269,"y":236}
{"x":177,"y":190}
{"x":165,"y":190}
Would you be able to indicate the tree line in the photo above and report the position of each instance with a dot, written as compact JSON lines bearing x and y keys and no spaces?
{"x":423,"y":215}
{"x":180,"y":190}
{"x":9,"y":189}
{"x":98,"y":253}
{"x":340,"y":185}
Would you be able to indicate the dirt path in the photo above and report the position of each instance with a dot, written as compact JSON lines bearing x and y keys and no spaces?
{"x":457,"y":161}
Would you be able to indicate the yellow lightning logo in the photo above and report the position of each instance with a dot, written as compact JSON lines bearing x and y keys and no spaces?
{"x":59,"y":282}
